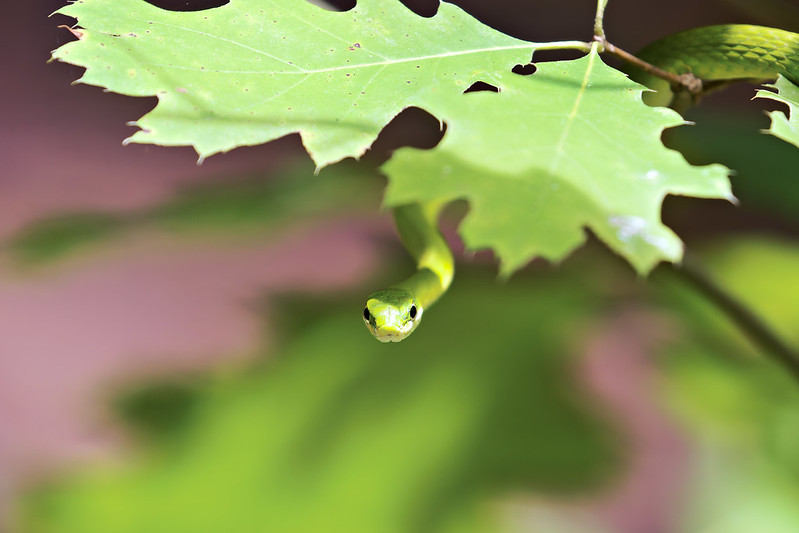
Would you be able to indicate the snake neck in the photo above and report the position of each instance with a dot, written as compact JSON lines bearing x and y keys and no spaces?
{"x":425,"y":285}
{"x":417,"y":225}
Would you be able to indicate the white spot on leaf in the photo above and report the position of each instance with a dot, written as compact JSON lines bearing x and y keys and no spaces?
{"x":630,"y":228}
{"x":652,"y":175}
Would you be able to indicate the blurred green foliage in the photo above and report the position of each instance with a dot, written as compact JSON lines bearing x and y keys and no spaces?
{"x":52,"y":238}
{"x":331,"y":431}
{"x":336,"y":432}
{"x":159,"y":410}
{"x":228,"y":205}
{"x":740,"y":410}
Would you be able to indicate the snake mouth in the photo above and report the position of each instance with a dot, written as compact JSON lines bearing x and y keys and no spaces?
{"x":391,"y":335}
{"x":386,"y":334}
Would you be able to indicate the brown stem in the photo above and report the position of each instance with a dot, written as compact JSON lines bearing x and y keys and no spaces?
{"x":686,"y":81}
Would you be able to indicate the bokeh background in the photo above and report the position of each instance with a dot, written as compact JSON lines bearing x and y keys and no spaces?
{"x":181,"y":347}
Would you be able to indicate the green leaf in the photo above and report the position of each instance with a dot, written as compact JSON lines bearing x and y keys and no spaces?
{"x":568,"y":147}
{"x":334,"y":435}
{"x":253,"y":71}
{"x":783,"y":127}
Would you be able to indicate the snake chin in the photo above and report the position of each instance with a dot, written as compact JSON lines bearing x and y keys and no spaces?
{"x":390,"y":337}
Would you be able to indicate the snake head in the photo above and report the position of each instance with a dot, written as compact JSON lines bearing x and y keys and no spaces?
{"x":391,"y":314}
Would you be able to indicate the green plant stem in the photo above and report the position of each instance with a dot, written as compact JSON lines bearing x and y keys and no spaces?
{"x":599,"y":29}
{"x":692,"y":273}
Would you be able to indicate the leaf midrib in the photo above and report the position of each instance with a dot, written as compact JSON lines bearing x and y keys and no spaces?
{"x":349,"y":66}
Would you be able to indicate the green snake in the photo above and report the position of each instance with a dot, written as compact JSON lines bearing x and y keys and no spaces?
{"x":714,"y":54}
{"x":392,"y":314}
{"x":719,"y":55}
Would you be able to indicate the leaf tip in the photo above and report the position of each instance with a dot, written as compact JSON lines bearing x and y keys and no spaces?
{"x":643,"y":269}
{"x":507,"y":268}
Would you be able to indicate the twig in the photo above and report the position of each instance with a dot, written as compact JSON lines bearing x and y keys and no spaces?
{"x":744,"y":317}
{"x":599,"y":29}
{"x":677,"y":81}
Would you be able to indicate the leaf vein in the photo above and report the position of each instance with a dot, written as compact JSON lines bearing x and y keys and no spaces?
{"x":231,"y":41}
{"x":275,"y":96}
{"x":571,"y":116}
{"x":303,"y":71}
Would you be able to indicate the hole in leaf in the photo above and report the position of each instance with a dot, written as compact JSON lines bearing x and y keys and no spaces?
{"x":541,"y":56}
{"x":187,"y":5}
{"x":524,"y":70}
{"x":423,"y":8}
{"x":481,"y":86}
{"x":334,"y":5}
{"x":413,"y":127}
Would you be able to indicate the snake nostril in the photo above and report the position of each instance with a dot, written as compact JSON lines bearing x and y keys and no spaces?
{"x":366,"y":314}
{"x":413,"y":311}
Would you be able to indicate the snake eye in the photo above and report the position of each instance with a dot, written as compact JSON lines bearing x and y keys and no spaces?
{"x":413,"y":312}
{"x":366,"y":315}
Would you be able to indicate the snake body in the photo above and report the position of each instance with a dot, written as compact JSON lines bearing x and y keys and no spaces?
{"x":712,"y":53}
{"x":720,"y":53}
{"x":392,"y":314}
